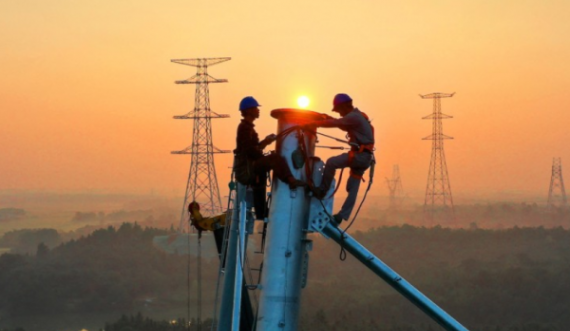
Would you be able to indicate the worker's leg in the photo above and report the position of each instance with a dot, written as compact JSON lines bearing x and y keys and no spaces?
{"x":276,"y":163}
{"x":260,"y":195}
{"x":359,"y":165}
{"x":333,"y":163}
{"x":352,"y":186}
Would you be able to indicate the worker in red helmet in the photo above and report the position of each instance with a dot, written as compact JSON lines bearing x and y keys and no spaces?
{"x":251,"y":165}
{"x":361,"y":139}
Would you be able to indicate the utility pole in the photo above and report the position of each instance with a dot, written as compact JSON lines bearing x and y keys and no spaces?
{"x":293,"y":215}
{"x":202,"y":184}
{"x":438,"y":190}
{"x":556,"y":193}
{"x":395,"y":188}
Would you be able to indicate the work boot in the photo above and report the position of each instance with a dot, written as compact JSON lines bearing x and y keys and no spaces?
{"x":337,"y":219}
{"x":294,"y":183}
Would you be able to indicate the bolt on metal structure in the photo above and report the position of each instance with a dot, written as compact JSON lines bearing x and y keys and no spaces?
{"x":438,"y":189}
{"x":202,"y":185}
{"x":556,"y":193}
{"x":395,"y":188}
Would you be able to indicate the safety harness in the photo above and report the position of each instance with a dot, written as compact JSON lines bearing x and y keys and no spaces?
{"x":358,"y":148}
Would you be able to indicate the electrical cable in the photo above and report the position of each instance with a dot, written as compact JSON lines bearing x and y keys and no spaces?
{"x":332,"y":147}
{"x":333,"y":138}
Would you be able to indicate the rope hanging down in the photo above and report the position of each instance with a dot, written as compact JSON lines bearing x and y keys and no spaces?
{"x":342,"y":255}
{"x":198,"y":280}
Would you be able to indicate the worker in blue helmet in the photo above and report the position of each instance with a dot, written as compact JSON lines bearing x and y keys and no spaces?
{"x":361,"y":139}
{"x":251,"y":165}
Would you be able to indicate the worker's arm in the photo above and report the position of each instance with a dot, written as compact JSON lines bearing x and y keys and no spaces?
{"x":267,"y":141}
{"x":343,"y":123}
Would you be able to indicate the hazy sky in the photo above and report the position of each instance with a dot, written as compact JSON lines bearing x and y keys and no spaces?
{"x":87,"y":89}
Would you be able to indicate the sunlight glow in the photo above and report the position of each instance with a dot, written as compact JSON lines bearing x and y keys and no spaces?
{"x":303,"y":101}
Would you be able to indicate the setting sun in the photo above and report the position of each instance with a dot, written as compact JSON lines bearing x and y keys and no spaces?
{"x":303,"y":101}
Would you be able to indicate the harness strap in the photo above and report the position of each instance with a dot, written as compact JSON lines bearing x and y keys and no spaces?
{"x":351,"y":155}
{"x":355,"y":175}
{"x":363,"y":147}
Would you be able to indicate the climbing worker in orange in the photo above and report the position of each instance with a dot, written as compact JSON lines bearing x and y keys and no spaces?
{"x":358,"y":159}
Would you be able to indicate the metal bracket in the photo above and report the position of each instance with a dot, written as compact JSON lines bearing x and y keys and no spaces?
{"x":318,"y":222}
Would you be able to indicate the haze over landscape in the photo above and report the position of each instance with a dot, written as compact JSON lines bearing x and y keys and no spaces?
{"x":87,"y":93}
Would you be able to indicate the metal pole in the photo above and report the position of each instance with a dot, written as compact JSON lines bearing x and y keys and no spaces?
{"x":393,"y":279}
{"x":285,"y":252}
{"x":238,"y":281}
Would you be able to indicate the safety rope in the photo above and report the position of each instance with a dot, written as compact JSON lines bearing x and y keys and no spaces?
{"x":342,"y":255}
{"x":339,"y":182}
{"x":198,"y":278}
{"x":188,"y":284}
{"x":199,"y":284}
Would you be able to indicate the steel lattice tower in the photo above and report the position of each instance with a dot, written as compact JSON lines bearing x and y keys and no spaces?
{"x":438,"y":190}
{"x":556,"y":193}
{"x":202,"y":185}
{"x":395,"y":188}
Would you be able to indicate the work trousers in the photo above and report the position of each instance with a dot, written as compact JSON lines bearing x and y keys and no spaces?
{"x":358,"y":166}
{"x":273,"y":162}
{"x":261,"y":167}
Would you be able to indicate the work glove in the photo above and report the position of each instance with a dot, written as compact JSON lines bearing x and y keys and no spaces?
{"x":270,"y":138}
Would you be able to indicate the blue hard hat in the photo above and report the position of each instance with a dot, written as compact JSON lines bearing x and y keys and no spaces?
{"x":341,"y":98}
{"x":248,"y":102}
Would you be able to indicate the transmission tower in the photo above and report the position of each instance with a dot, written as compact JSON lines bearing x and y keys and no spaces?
{"x":395,"y":188}
{"x":202,"y":185}
{"x":556,"y":193}
{"x":438,"y":190}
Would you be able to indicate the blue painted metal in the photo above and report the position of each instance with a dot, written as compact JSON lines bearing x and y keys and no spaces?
{"x":286,"y":244}
{"x":240,"y":258}
{"x":392,"y":278}
{"x":227,"y":304}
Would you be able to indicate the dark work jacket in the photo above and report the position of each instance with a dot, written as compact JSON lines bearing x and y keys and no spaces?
{"x":247,"y":141}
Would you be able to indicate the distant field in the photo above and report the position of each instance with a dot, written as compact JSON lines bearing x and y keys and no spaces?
{"x":4,"y":250}
{"x":56,"y":211}
{"x":56,"y":220}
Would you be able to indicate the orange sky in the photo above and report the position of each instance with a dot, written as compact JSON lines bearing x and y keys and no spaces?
{"x":87,"y":93}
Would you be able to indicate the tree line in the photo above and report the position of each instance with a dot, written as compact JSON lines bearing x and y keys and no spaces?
{"x":489,"y":280}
